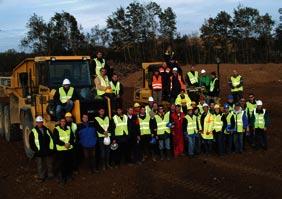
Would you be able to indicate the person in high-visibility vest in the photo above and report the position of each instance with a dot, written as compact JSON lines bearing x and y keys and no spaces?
{"x":160,"y":126}
{"x":88,"y":140}
{"x":169,"y":56}
{"x":236,"y":86}
{"x":192,"y":77}
{"x":218,"y":129}
{"x":230,"y":102}
{"x":207,"y":123}
{"x":241,"y":126}
{"x":260,"y":121}
{"x":214,"y":87}
{"x":42,"y":144}
{"x":102,"y":83}
{"x":157,"y":86}
{"x":190,"y":130}
{"x":99,"y":62}
{"x":204,"y":80}
{"x":64,"y":140}
{"x":102,"y":124}
{"x":120,"y":136}
{"x":198,"y":143}
{"x":228,"y":129}
{"x":73,"y":127}
{"x":64,"y":99}
{"x":117,"y":89}
{"x":183,"y":100}
{"x":251,"y":106}
{"x":149,"y":107}
{"x":147,"y":148}
{"x":176,"y":84}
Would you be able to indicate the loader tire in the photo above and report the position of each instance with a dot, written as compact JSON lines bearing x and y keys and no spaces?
{"x":2,"y":129}
{"x":27,"y":127}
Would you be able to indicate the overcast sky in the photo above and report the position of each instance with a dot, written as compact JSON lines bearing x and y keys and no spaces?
{"x":190,"y":13}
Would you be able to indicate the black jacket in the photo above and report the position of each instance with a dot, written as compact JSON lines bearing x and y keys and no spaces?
{"x":44,"y":141}
{"x":133,"y":127}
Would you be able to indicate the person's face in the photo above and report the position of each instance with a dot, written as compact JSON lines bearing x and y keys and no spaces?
{"x":164,"y":65}
{"x":130,"y":111}
{"x":211,"y":105}
{"x":192,"y":68}
{"x":251,"y":98}
{"x":172,"y":108}
{"x":196,"y":111}
{"x":242,"y":102}
{"x":217,"y":110}
{"x":85,"y":118}
{"x":190,"y":111}
{"x":99,"y":55}
{"x":193,"y":105}
{"x":142,"y":111}
{"x":39,"y":124}
{"x":237,"y":108}
{"x":174,"y":73}
{"x":137,"y":109}
{"x":66,"y":86}
{"x":230,"y":100}
{"x":102,"y":112}
{"x":103,"y":72}
{"x":115,"y":78}
{"x":62,"y":122}
{"x":206,"y":108}
{"x":69,"y":119}
{"x":156,"y":72}
{"x":177,"y":109}
{"x":119,"y":111}
{"x":161,"y":110}
{"x":155,"y":106}
{"x":235,"y":73}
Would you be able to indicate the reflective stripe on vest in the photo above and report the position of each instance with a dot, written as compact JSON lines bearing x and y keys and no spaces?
{"x":212,"y":85}
{"x":64,"y":135}
{"x":251,"y":107}
{"x":208,"y":127}
{"x":145,"y":125}
{"x":157,"y":82}
{"x":193,"y":78}
{"x":36,"y":139}
{"x":218,"y":124}
{"x":235,"y":82}
{"x":104,"y":83}
{"x":115,"y":88}
{"x":121,"y":125}
{"x":191,"y":124}
{"x":259,"y":119}
{"x":104,"y":124}
{"x":99,"y":65}
{"x":161,"y":124}
{"x":239,"y":121}
{"x":148,"y":109}
{"x":64,"y":97}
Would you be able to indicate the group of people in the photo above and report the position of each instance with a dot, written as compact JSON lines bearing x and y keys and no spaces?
{"x":152,"y":131}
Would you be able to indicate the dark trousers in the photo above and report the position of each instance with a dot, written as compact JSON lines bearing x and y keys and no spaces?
{"x":45,"y":166}
{"x":198,"y":143}
{"x":122,"y":153}
{"x":228,"y":141}
{"x":77,"y":154}
{"x":146,"y":147}
{"x":207,"y":145}
{"x":135,"y":148}
{"x":260,"y":139}
{"x":89,"y":155}
{"x":238,"y":142}
{"x":104,"y":156}
{"x":237,"y":96}
{"x":166,"y":91}
{"x":65,"y":164}
{"x":219,"y":142}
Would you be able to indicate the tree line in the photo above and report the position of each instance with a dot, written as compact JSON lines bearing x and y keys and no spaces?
{"x":142,"y":31}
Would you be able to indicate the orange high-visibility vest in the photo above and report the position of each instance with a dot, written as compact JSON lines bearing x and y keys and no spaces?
{"x":157,"y":83}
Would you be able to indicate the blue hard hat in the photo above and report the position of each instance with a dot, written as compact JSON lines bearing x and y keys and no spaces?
{"x":230,"y":97}
{"x":226,"y":105}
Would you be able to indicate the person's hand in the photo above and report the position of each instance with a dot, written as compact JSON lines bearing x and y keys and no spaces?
{"x":67,"y":145}
{"x":106,"y":134}
{"x":114,"y":141}
{"x":108,"y":87}
{"x":265,"y":129}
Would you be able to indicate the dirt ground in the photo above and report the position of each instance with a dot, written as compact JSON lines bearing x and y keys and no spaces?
{"x":253,"y":174}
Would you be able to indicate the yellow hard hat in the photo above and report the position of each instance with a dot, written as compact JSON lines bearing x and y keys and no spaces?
{"x":68,"y":114}
{"x":189,"y":108}
{"x":136,"y":105}
{"x":193,"y":103}
{"x":216,"y":106}
{"x":108,"y":90}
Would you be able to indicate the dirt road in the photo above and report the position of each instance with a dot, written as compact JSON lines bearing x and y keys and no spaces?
{"x":253,"y":174}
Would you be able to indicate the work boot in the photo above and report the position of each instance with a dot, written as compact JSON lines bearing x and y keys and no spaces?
{"x":162,"y":155}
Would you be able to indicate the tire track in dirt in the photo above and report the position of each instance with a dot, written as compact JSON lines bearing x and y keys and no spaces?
{"x":242,"y":168}
{"x":193,"y":186}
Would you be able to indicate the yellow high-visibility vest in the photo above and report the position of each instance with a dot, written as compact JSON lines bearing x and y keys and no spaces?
{"x":64,"y":135}
{"x":99,"y":65}
{"x":193,"y":78}
{"x":121,"y":125}
{"x":259,"y":119}
{"x":162,"y":124}
{"x":64,"y":97}
{"x":145,"y":125}
{"x":115,"y":88}
{"x":36,"y":139}
{"x":208,"y":127}
{"x":104,"y":123}
{"x":218,"y":124}
{"x":104,"y":83}
{"x":235,"y":81}
{"x":191,"y":124}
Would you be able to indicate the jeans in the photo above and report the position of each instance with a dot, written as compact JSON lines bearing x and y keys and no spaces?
{"x":164,"y":143}
{"x":61,"y":109}
{"x":104,"y":156}
{"x":260,"y":139}
{"x":157,"y":95}
{"x":238,"y":142}
{"x":45,"y":167}
{"x":219,"y":142}
{"x":89,"y":155}
{"x":122,"y":153}
{"x":191,"y":144}
{"x":207,"y":145}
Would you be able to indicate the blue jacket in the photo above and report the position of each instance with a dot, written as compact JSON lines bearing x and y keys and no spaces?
{"x":87,"y":135}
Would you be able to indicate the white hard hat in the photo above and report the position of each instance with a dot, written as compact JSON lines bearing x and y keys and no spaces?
{"x":107,"y":141}
{"x":66,"y":82}
{"x":259,"y":103}
{"x":151,"y":99}
{"x":205,"y":104}
{"x":203,"y":71}
{"x":39,"y":119}
{"x":174,"y":69}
